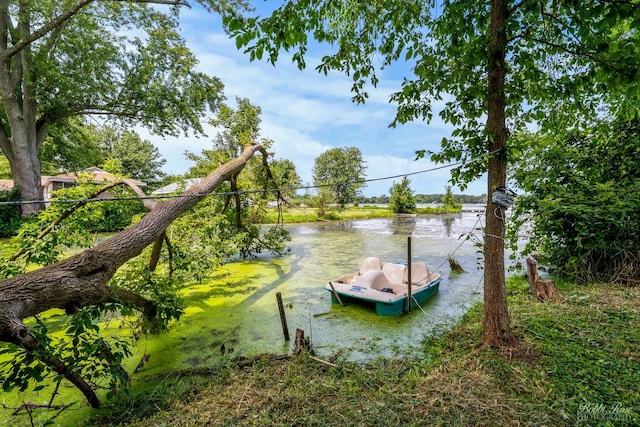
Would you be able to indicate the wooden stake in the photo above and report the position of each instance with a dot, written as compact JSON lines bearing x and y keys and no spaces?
{"x":283,"y":319}
{"x":409,"y":271}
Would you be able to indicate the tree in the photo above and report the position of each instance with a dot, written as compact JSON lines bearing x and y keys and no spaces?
{"x":582,"y":201}
{"x":139,"y":158}
{"x":70,"y":146}
{"x":342,"y":171}
{"x":448,"y":200}
{"x":285,"y":174}
{"x":238,"y":128}
{"x":86,"y":285}
{"x":401,"y":198}
{"x":506,"y":64}
{"x":64,"y":59}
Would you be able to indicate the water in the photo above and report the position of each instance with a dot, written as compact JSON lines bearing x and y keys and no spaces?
{"x":239,"y":308}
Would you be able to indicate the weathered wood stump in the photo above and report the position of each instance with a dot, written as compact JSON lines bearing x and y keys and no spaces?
{"x":542,"y":289}
{"x":302,"y":343}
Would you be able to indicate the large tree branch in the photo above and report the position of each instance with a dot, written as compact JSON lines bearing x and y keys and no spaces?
{"x":148,"y":204}
{"x":81,"y":280}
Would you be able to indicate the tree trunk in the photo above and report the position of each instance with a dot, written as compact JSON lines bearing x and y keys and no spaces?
{"x":497,"y":330}
{"x":82,"y":280}
{"x":25,"y":170}
{"x":20,"y":145}
{"x":20,"y":140}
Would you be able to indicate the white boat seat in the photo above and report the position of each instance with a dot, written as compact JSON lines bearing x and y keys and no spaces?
{"x":419,"y":273}
{"x":395,"y":272}
{"x":374,"y":279}
{"x":370,"y":263}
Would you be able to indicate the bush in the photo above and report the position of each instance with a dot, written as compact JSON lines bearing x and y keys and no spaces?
{"x":401,"y":199}
{"x":9,"y":214}
{"x":583,"y":202}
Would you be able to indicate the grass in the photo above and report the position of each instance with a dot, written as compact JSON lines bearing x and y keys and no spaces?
{"x":297,"y":215}
{"x":576,"y":363}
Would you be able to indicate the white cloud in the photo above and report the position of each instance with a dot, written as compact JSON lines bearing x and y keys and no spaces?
{"x":307,"y":113}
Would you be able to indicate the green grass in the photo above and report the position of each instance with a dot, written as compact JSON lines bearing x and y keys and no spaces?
{"x":297,"y":215}
{"x":576,"y":363}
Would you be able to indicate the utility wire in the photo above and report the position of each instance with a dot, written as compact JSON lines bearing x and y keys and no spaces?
{"x":241,"y":192}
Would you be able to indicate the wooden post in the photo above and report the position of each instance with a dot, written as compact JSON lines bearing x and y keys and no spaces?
{"x":336,"y":294}
{"x":283,"y":319}
{"x":541,"y":289}
{"x":409,"y":272}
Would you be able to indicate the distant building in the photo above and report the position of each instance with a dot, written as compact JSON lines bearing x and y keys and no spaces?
{"x":50,"y":184}
{"x":175,"y":187}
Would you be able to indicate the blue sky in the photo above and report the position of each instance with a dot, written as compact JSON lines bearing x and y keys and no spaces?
{"x":307,"y":113}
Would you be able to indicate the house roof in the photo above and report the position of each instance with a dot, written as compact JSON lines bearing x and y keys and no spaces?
{"x":176,"y":186}
{"x":100,"y":176}
{"x":6,"y":184}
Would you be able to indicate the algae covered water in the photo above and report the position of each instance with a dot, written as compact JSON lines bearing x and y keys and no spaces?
{"x":236,"y":313}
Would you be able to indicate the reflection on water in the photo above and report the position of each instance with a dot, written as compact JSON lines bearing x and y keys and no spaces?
{"x":241,"y":303}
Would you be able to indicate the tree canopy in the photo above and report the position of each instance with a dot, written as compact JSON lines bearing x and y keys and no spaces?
{"x":121,"y":60}
{"x":139,"y":158}
{"x":238,"y":128}
{"x":497,"y":66}
{"x":341,"y":171}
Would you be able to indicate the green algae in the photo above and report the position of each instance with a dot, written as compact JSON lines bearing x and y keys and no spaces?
{"x":235,"y":312}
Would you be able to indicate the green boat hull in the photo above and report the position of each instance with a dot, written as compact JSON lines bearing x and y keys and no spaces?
{"x":394,"y":308}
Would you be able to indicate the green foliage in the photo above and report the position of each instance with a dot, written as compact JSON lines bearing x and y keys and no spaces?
{"x":342,"y":171}
{"x":401,"y":198}
{"x":322,"y":201}
{"x":583,"y":201}
{"x":239,"y":127}
{"x":449,"y":201}
{"x":9,"y":214}
{"x":286,"y":177}
{"x":70,"y":146}
{"x":139,"y":158}
{"x":564,"y":59}
{"x":133,"y":78}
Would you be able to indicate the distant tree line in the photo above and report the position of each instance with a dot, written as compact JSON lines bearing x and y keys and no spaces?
{"x":426,"y":198}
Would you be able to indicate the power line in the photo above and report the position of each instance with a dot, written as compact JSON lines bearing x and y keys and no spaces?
{"x":240,"y":192}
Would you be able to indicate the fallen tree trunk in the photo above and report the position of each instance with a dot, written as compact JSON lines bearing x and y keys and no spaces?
{"x":82,"y":280}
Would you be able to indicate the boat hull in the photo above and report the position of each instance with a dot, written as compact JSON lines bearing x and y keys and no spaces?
{"x":388,"y":307}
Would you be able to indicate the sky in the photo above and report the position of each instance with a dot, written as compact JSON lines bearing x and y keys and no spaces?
{"x":307,"y":113}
